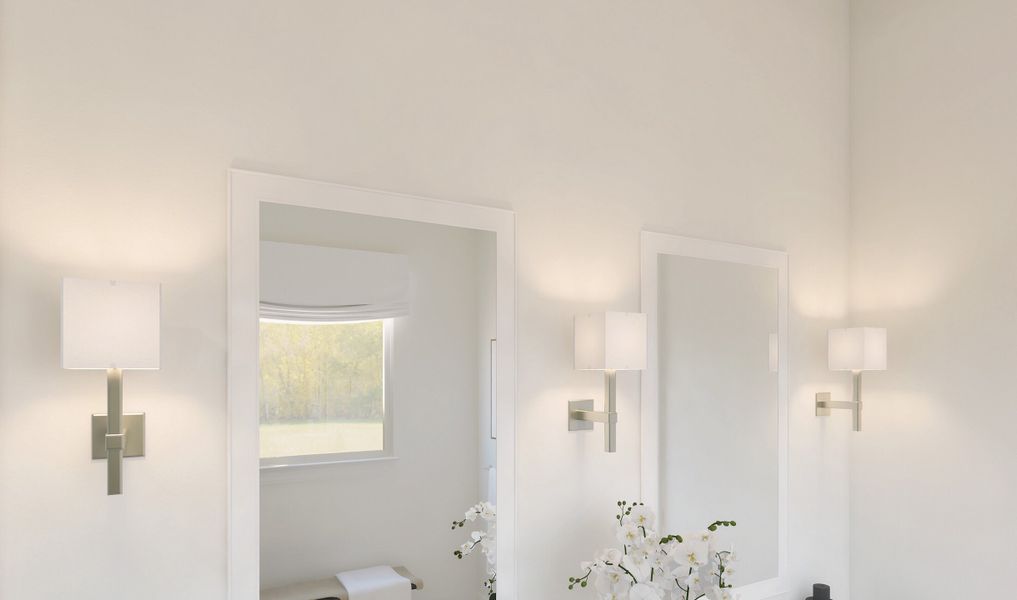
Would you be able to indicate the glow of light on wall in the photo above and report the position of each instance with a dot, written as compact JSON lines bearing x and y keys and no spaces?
{"x":149,"y":235}
{"x":910,"y":278}
{"x":817,"y":297}
{"x":589,"y":281}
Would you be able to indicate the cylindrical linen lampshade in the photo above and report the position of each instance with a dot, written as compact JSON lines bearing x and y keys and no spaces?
{"x":109,"y":324}
{"x":857,"y":349}
{"x":610,"y":341}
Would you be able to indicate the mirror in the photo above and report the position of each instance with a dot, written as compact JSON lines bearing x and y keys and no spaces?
{"x":718,"y":404}
{"x":382,"y":407}
{"x":716,"y":422}
{"x":375,"y":367}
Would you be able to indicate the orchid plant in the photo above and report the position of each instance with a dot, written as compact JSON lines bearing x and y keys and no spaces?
{"x":483,"y":538}
{"x":651,"y":567}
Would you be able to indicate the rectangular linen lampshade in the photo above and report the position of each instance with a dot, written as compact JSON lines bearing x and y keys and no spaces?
{"x":610,"y":341}
{"x":857,"y":349}
{"x":109,"y":324}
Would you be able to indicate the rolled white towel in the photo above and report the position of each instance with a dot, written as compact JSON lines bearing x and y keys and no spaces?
{"x":375,"y":583}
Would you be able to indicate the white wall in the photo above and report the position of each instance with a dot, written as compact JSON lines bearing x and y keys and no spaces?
{"x":591,"y":119}
{"x":934,"y":207}
{"x":316,"y":521}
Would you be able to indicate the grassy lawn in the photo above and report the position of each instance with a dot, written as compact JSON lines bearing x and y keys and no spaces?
{"x":297,"y":439}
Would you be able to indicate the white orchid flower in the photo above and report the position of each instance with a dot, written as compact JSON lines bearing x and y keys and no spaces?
{"x":610,"y":555}
{"x":658,"y":558}
{"x":691,"y":553}
{"x":486,"y":511}
{"x":612,"y":580}
{"x":694,"y":580}
{"x":483,"y":539}
{"x":642,"y":516}
{"x":643,"y":591}
{"x":706,"y":536}
{"x":718,"y":593}
{"x":645,"y":569}
{"x":638,"y":563}
{"x":670,"y":548}
{"x":628,"y":533}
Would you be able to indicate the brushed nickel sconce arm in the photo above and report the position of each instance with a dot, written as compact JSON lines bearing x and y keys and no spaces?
{"x":114,"y":424}
{"x":825,"y":406}
{"x":582,"y":416}
{"x":116,"y":435}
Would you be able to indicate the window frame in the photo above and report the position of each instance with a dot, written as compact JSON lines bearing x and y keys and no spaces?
{"x":388,"y":438}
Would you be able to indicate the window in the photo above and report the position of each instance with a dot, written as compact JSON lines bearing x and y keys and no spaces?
{"x":323,"y":392}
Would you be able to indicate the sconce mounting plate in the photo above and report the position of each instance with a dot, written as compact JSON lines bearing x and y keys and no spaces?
{"x":822,"y":404}
{"x":576,"y":424}
{"x":134,"y":435}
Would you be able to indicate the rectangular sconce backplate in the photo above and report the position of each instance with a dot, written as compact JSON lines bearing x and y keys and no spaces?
{"x":822,"y":402}
{"x":576,"y":424}
{"x":134,"y":435}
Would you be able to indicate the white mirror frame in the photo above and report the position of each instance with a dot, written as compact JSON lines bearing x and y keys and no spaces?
{"x":653,"y":245}
{"x":247,"y":190}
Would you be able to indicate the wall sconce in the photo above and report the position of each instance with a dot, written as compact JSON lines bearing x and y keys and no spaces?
{"x":111,"y":325}
{"x":855,"y":349}
{"x":608,"y":342}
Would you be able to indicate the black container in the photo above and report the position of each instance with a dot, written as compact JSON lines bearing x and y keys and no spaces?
{"x":820,"y":591}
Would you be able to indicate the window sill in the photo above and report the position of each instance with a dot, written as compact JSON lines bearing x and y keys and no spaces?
{"x":272,"y":475}
{"x":327,"y":463}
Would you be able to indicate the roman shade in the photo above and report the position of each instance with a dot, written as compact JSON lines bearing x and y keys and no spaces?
{"x":322,"y":284}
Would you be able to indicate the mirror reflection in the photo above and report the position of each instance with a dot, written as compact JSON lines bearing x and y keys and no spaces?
{"x":719,"y":398}
{"x":377,"y":342}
